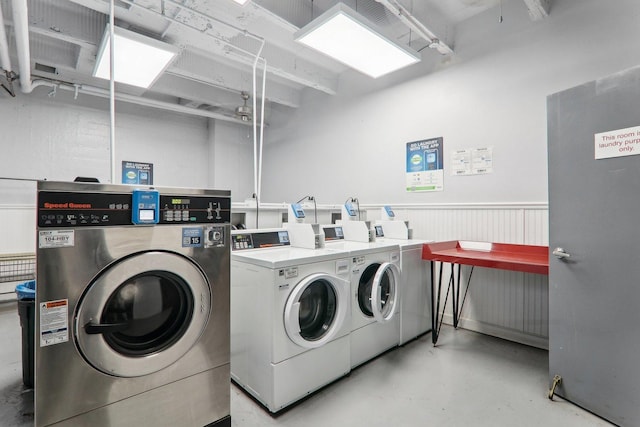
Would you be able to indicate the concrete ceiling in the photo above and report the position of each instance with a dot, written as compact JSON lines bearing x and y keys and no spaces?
{"x":218,"y":39}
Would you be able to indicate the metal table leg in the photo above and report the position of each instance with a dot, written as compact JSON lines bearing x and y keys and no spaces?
{"x":436,"y":317}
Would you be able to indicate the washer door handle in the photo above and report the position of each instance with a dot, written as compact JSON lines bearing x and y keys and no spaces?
{"x":104,"y":328}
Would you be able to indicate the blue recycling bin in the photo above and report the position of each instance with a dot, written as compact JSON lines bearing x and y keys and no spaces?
{"x":26,"y":309}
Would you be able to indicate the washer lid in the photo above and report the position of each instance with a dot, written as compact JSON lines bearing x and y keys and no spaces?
{"x":142,"y":314}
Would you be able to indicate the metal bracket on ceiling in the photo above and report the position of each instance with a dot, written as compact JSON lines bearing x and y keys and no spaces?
{"x":7,"y":84}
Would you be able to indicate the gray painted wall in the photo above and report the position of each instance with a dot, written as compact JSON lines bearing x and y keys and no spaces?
{"x":491,"y":93}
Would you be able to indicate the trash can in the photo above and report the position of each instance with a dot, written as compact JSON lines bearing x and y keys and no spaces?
{"x":26,"y":305}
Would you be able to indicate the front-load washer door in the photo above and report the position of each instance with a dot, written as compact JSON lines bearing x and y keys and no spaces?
{"x":142,"y":313}
{"x":316,"y":310}
{"x":378,"y":291}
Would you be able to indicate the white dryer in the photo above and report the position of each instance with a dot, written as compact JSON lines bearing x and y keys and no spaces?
{"x":375,"y":294}
{"x":290,"y":322}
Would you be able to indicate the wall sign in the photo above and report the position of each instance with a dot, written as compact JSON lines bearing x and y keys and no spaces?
{"x":137,"y":173}
{"x":617,"y":143}
{"x":424,"y":165}
{"x":472,"y":161}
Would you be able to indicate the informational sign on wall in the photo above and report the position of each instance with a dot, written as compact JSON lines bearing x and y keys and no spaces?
{"x":472,"y":161}
{"x":137,"y":173}
{"x":424,"y":165}
{"x":617,"y":143}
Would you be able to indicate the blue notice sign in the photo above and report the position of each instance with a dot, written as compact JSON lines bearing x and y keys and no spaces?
{"x":192,"y":237}
{"x":424,"y":167}
{"x":137,"y":173}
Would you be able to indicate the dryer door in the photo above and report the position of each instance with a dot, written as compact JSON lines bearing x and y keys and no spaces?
{"x":378,"y":291}
{"x":316,"y":310}
{"x":142,"y":313}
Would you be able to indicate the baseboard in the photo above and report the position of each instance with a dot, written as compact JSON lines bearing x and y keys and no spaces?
{"x":500,"y":332}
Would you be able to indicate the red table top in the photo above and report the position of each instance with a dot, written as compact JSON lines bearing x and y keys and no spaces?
{"x":524,"y":258}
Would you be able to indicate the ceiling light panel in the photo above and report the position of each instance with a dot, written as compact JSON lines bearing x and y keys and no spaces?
{"x":348,"y":37}
{"x":139,"y":60}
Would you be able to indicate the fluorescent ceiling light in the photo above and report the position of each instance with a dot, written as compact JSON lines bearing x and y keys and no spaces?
{"x":139,"y":60}
{"x":242,"y":2}
{"x":347,"y":36}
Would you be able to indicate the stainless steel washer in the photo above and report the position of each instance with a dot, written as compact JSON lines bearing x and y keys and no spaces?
{"x":132,"y":321}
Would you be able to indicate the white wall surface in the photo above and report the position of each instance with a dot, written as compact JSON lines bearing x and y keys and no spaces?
{"x":231,"y":167}
{"x":492,"y":92}
{"x":60,"y":138}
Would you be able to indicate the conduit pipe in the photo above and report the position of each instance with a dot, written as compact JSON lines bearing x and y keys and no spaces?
{"x":256,"y":160}
{"x":5,"y":60}
{"x":112,"y":91}
{"x":27,"y":85}
{"x":264,"y":86}
{"x":257,"y":146}
{"x":21,"y":28}
{"x":412,"y":22}
{"x":20,"y":18}
{"x":222,"y":40}
{"x":132,"y":99}
{"x":4,"y":46}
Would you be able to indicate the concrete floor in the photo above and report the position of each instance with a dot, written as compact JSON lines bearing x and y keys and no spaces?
{"x":468,"y":380}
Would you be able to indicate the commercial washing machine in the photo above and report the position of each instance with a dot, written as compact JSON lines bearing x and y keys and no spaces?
{"x":415,"y":298}
{"x":132,"y":306}
{"x":375,"y":294}
{"x":290,"y":320}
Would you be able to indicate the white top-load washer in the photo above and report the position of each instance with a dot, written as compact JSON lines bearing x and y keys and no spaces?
{"x":290,"y":320}
{"x":415,"y":293}
{"x":375,"y":297}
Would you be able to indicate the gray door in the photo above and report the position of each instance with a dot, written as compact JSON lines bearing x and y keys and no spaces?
{"x":594,"y":215}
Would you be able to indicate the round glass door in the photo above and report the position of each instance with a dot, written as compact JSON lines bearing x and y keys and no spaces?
{"x":377,"y":291}
{"x":315,"y":310}
{"x":146,"y":314}
{"x":142,"y":314}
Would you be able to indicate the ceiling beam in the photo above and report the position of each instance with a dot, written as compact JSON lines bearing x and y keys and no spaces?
{"x":195,"y":67}
{"x":538,"y":9}
{"x":229,"y":43}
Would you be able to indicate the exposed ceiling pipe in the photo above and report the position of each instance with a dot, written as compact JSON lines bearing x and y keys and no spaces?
{"x":5,"y":60}
{"x":132,"y":99}
{"x":412,"y":22}
{"x":4,"y":45}
{"x":27,"y":85}
{"x":218,"y":39}
{"x":21,"y":28}
{"x":257,"y":142}
{"x":264,"y":86}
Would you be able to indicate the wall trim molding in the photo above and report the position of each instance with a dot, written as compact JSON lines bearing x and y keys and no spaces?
{"x":412,"y":206}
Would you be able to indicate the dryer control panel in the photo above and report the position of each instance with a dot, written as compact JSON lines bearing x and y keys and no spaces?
{"x":93,"y":209}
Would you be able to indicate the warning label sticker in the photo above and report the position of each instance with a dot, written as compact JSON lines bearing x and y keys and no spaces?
{"x":54,"y":324}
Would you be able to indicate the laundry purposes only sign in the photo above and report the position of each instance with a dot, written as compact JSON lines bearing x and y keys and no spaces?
{"x":617,"y":143}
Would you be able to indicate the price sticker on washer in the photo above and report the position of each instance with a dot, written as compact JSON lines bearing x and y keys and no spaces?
{"x":54,"y":322}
